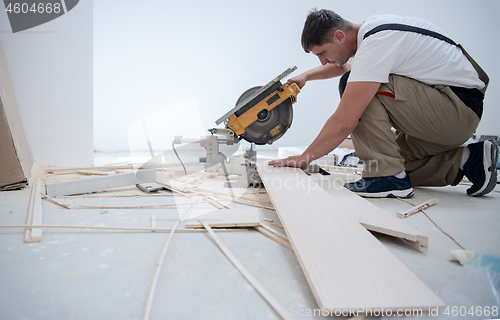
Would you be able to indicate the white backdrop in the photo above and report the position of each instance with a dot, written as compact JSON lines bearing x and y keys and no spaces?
{"x":152,"y":56}
{"x":51,"y":70}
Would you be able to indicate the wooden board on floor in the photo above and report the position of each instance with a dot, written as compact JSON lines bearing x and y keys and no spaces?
{"x":227,"y":218}
{"x":34,"y":214}
{"x":344,"y":264}
{"x":370,"y":216}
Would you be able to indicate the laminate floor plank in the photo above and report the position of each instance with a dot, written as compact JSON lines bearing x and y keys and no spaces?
{"x":345,"y":265}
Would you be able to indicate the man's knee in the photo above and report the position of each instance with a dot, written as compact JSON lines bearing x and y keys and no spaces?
{"x":343,"y":82}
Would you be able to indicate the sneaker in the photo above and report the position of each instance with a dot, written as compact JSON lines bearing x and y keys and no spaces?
{"x":480,"y":168}
{"x":382,"y":187}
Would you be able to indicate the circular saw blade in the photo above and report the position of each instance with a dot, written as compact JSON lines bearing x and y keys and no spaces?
{"x":271,"y":125}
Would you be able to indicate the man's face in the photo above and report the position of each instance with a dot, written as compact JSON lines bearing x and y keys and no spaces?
{"x":333,"y":52}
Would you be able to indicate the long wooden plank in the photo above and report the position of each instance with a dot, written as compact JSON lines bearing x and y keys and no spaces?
{"x":191,"y":230}
{"x":34,"y":214}
{"x":73,"y":170}
{"x":370,"y":216}
{"x":149,"y":299}
{"x":100,"y":183}
{"x":245,"y":273}
{"x":344,"y":264}
{"x":227,"y":218}
{"x":274,"y":236}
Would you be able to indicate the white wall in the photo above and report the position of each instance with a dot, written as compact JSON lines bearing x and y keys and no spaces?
{"x":51,"y":71}
{"x":155,"y":54}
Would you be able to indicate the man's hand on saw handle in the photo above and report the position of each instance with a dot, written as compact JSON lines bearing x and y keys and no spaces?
{"x":300,"y":80}
{"x":326,"y":71}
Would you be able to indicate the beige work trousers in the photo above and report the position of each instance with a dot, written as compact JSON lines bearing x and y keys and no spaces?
{"x":431,"y":124}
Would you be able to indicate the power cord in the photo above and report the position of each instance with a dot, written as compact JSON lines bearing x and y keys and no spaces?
{"x":173,"y":147}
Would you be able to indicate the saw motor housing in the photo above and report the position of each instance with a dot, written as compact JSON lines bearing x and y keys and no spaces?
{"x":259,"y":109}
{"x":263,"y":114}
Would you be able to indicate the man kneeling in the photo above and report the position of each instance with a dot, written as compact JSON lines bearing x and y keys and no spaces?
{"x":404,"y":73}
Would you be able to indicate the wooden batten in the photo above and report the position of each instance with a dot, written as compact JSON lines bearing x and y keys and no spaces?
{"x":370,"y":216}
{"x":34,"y":214}
{"x":417,"y":208}
{"x":227,"y":218}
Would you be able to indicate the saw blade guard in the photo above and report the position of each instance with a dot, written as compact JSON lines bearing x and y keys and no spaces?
{"x":270,"y":124}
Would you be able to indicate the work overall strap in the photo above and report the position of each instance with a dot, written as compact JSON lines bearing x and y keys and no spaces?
{"x":403,"y":27}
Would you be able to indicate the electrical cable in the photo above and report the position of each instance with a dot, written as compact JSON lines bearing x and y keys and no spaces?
{"x":435,"y":224}
{"x":173,"y":147}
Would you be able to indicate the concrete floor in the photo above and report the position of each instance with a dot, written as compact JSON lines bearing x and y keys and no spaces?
{"x":83,"y":274}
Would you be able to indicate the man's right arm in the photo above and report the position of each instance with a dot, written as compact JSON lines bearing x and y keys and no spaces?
{"x":326,"y":71}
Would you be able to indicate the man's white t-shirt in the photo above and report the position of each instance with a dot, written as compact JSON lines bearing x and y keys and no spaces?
{"x":410,"y":54}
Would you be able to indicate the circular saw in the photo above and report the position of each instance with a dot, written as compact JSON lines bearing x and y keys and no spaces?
{"x":263,"y":114}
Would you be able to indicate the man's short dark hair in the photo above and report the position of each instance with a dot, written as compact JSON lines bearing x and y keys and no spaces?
{"x":320,"y":26}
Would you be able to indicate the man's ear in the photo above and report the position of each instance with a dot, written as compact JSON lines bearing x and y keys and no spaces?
{"x":338,"y":36}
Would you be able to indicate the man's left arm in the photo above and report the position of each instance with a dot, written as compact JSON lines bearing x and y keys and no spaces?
{"x":356,"y":98}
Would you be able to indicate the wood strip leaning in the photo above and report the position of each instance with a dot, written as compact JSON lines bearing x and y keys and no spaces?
{"x":370,"y":216}
{"x":49,"y":199}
